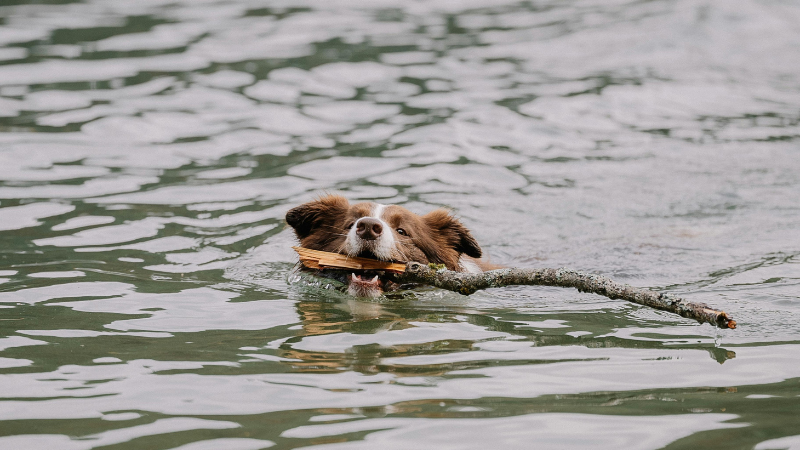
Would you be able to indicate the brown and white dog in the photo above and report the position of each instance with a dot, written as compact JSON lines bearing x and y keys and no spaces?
{"x":384,"y":232}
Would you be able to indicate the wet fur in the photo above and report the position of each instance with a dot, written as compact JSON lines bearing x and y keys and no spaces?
{"x":436,"y":237}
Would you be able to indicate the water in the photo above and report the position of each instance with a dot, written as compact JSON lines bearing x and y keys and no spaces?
{"x":151,"y":148}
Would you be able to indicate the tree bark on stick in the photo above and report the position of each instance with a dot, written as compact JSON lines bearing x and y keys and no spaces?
{"x":468,"y":283}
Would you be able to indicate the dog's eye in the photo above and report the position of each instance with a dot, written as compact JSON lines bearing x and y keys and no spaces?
{"x":402,"y":232}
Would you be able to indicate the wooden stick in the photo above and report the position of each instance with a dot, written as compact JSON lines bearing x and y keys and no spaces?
{"x":468,"y":283}
{"x":316,"y":259}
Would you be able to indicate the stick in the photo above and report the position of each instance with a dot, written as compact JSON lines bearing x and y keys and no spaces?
{"x":315,"y":259}
{"x":468,"y":283}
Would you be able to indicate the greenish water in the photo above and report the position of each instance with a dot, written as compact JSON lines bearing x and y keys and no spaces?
{"x":150,"y":149}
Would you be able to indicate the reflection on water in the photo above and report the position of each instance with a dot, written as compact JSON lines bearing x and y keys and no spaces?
{"x":151,"y":149}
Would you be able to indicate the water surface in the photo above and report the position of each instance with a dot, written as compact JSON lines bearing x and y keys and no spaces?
{"x":150,"y":149}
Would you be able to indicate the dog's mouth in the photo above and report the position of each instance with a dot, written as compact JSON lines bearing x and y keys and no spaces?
{"x":368,"y":283}
{"x":366,"y":253}
{"x":365,"y":284}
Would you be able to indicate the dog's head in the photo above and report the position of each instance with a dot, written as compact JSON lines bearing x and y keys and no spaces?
{"x":384,"y":232}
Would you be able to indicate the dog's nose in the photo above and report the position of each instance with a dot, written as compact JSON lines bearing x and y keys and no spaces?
{"x":368,"y":228}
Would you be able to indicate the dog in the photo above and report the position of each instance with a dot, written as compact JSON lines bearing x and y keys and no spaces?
{"x":386,"y":233}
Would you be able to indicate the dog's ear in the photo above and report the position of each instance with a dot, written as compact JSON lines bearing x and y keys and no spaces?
{"x":310,"y":216}
{"x":456,"y":235}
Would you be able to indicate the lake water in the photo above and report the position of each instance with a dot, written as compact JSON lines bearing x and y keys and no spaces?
{"x":149,"y":150}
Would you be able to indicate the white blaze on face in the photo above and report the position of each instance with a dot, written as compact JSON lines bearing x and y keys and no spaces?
{"x":383,"y":247}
